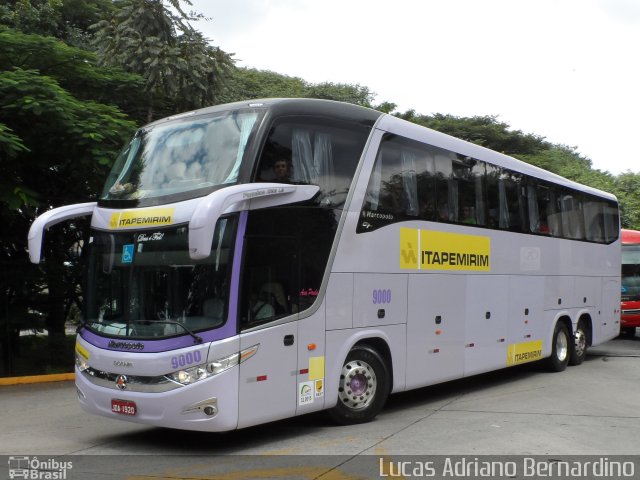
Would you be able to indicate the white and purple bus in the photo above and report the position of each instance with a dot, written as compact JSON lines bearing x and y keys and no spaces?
{"x":260,"y":260}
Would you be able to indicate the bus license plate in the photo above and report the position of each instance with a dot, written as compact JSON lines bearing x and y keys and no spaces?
{"x":123,"y":407}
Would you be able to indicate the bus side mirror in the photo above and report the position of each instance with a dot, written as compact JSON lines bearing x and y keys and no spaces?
{"x":248,"y":196}
{"x":47,"y":219}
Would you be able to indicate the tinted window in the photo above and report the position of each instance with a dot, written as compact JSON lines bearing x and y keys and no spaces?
{"x":313,"y":151}
{"x":286,"y":253}
{"x":412,"y":180}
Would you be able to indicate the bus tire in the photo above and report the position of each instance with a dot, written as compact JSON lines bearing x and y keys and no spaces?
{"x":364,"y":386}
{"x":560,"y":348}
{"x":580,"y":344}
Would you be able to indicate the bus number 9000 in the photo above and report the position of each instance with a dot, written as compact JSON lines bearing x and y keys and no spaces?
{"x":381,"y":296}
{"x":186,"y":359}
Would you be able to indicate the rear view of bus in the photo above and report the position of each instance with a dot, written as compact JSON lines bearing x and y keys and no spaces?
{"x":630,"y":315}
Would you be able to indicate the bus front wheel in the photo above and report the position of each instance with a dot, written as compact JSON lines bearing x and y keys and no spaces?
{"x":560,"y":348}
{"x":364,"y":386}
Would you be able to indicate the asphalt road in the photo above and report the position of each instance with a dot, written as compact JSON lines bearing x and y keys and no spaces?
{"x":591,"y":409}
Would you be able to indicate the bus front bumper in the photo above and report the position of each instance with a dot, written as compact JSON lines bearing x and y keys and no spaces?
{"x":208,"y":405}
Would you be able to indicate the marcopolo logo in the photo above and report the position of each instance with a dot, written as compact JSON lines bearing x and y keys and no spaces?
{"x":429,"y":250}
{"x":125,"y":345}
{"x":142,"y":218}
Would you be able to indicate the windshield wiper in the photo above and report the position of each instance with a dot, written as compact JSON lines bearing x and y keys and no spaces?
{"x":196,"y":338}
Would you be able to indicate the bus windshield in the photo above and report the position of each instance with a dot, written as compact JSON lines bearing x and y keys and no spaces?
{"x":630,"y":272}
{"x":145,"y":285}
{"x":187,"y":154}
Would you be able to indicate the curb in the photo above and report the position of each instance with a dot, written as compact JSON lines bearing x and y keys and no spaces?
{"x":57,"y":377}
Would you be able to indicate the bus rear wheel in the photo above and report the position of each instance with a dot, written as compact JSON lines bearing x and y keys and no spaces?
{"x":560,"y":349}
{"x":364,"y":386}
{"x":580,"y":344}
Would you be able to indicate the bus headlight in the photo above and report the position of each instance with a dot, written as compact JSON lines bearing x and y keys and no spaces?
{"x":81,"y":362}
{"x":82,"y":357}
{"x":191,"y":375}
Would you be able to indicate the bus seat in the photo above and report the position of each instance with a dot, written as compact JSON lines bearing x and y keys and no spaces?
{"x":274,"y":292}
{"x":213,"y":307}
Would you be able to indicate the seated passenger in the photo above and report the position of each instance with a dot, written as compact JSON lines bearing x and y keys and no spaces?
{"x":467,"y":215}
{"x":261,"y":309}
{"x":282,"y":171}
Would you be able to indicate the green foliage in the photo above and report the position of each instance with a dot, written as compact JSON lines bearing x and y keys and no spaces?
{"x":486,"y":131}
{"x":68,"y":20}
{"x":249,"y":83}
{"x":341,"y":92}
{"x":180,"y":69}
{"x":74,"y":70}
{"x":56,"y":143}
{"x":628,"y":192}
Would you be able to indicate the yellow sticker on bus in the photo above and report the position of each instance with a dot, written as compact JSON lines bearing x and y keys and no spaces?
{"x":524,"y":352}
{"x":150,"y":217}
{"x":430,"y":250}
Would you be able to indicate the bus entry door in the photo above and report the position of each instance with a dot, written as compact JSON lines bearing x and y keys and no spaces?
{"x":268,"y":379}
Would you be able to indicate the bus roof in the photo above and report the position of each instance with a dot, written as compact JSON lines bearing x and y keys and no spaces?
{"x":630,"y":237}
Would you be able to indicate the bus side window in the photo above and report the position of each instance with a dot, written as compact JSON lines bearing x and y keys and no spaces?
{"x":594,"y":221}
{"x":571,"y":215}
{"x":269,"y":281}
{"x":446,"y":192}
{"x":316,"y":151}
{"x":401,"y":183}
{"x":469,"y":176}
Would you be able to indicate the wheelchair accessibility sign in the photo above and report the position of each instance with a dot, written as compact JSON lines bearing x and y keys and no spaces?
{"x":127,"y":253}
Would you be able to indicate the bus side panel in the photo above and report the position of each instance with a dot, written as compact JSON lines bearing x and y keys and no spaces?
{"x":525,"y":323}
{"x":311,"y":362}
{"x":558,"y":293}
{"x":379,"y":299}
{"x":340,"y":342}
{"x":435,"y":328}
{"x":486,"y":323}
{"x":586,"y":292}
{"x":610,"y":312}
{"x":339,"y":301}
{"x":268,"y":379}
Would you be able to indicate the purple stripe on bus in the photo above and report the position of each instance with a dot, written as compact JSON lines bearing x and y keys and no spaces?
{"x":235,"y":272}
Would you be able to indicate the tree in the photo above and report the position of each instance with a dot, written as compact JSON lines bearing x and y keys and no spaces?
{"x":58,"y":146}
{"x":250,"y":83}
{"x":628,"y":192}
{"x":486,"y":131}
{"x":147,"y":37}
{"x":341,"y":92}
{"x":67,"y":20}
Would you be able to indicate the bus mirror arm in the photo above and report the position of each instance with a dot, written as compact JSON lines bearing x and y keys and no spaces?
{"x":50,"y":218}
{"x":248,"y":196}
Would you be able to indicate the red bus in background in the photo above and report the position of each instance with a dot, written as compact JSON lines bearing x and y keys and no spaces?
{"x":630,"y":308}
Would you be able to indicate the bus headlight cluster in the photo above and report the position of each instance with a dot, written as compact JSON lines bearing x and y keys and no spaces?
{"x":82,"y":357}
{"x":191,"y":375}
{"x":81,"y":362}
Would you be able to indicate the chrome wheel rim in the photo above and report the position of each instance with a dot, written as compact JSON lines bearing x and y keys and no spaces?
{"x":580,"y":342}
{"x":562,"y":346}
{"x":358,"y":385}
